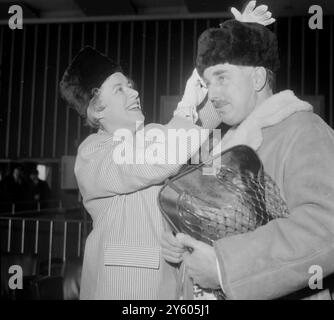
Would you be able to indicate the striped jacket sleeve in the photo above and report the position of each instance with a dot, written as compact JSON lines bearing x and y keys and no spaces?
{"x":208,"y":116}
{"x":98,"y":174}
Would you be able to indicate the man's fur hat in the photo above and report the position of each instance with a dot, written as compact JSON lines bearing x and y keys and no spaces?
{"x":238,"y":43}
{"x":88,"y":70}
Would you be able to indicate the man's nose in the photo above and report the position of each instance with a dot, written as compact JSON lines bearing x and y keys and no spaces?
{"x":215,"y":93}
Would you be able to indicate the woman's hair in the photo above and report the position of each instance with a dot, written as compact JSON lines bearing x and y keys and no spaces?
{"x":95,"y":105}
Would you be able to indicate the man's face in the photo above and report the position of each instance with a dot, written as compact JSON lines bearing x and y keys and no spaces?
{"x":231,"y":91}
{"x":122,"y":102}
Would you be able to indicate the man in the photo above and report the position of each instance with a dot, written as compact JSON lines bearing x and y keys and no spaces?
{"x":238,"y":62}
{"x":38,"y":189}
{"x":14,"y":186}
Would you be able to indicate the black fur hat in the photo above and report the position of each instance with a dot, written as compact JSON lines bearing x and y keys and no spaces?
{"x":238,"y":43}
{"x":88,"y":70}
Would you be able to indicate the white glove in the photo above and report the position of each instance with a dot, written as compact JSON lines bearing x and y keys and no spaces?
{"x":252,"y":13}
{"x":194,"y":94}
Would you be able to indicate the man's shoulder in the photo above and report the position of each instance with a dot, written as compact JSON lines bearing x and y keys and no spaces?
{"x":304,"y":122}
{"x":300,"y":129}
{"x":303,"y":119}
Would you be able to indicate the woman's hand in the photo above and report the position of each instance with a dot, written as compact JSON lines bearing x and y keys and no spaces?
{"x":172,"y":249}
{"x":194,"y":94}
{"x":255,"y":14}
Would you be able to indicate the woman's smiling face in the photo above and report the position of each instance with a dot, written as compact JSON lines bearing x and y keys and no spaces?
{"x":121,"y":101}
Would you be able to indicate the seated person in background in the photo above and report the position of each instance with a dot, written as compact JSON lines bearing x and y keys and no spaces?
{"x":14,"y":186}
{"x":38,"y":189}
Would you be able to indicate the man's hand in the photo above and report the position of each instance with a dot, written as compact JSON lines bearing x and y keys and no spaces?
{"x":172,"y":249}
{"x":201,"y":263}
{"x":252,"y":13}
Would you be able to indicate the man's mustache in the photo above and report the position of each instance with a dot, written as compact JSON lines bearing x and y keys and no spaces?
{"x":219,"y":103}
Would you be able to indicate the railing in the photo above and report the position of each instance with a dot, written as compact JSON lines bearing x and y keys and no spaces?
{"x":36,"y":206}
{"x":49,"y":233}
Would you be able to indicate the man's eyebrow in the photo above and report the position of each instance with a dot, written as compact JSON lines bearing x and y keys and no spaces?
{"x":128,"y":81}
{"x":218,"y":72}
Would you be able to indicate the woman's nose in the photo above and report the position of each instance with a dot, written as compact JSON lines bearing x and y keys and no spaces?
{"x":132,"y":93}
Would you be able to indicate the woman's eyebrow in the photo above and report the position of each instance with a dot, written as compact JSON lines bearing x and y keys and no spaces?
{"x":117,"y":84}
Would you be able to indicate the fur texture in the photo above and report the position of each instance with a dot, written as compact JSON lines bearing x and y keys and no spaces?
{"x":238,"y":43}
{"x":269,"y":113}
{"x":88,"y":70}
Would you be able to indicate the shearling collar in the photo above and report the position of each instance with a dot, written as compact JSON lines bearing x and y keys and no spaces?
{"x":272,"y":111}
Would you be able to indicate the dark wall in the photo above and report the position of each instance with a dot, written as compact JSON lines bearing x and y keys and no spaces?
{"x":159,"y":55}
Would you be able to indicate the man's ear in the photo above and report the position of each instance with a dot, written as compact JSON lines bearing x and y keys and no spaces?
{"x":260,"y":78}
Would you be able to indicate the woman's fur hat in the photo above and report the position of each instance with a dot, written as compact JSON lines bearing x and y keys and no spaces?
{"x":88,"y":70}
